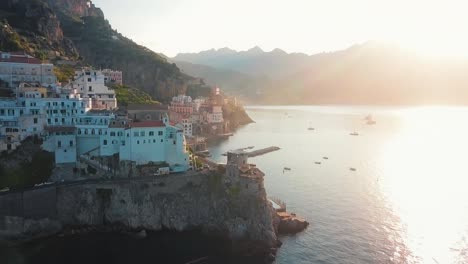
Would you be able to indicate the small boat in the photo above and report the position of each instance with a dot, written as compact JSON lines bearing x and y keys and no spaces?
{"x":352,"y":169}
{"x":250,"y":147}
{"x":286,"y":168}
{"x":325,"y":158}
{"x":354,"y":134}
{"x":318,"y":162}
{"x":311,"y":128}
{"x":369,"y":120}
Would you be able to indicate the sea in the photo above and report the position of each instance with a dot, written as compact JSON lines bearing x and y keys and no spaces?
{"x":394,"y":192}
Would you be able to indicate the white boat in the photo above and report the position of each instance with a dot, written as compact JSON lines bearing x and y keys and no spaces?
{"x":354,"y":134}
{"x":370,"y":120}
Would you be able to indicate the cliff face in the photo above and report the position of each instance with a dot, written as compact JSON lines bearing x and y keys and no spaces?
{"x":79,"y":8}
{"x":77,"y":30}
{"x":177,"y":202}
{"x":36,"y":29}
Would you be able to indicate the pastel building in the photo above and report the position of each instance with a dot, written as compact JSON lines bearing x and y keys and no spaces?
{"x":181,"y":104}
{"x":112,"y":77}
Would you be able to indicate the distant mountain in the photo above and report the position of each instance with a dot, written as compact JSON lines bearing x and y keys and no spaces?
{"x":369,"y":73}
{"x":274,"y":64}
{"x":374,"y":73}
{"x":232,"y":82}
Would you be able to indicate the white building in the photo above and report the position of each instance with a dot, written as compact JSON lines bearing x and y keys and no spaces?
{"x":90,"y":84}
{"x":186,"y":125}
{"x":215,"y":115}
{"x":17,"y":67}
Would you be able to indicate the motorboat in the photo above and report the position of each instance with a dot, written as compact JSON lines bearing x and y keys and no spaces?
{"x":354,"y":134}
{"x":352,"y":169}
{"x":325,"y":158}
{"x":287,"y":168}
{"x":318,"y":162}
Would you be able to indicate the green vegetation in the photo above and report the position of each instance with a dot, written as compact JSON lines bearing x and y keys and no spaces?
{"x":38,"y":170}
{"x":234,"y":190}
{"x":127,"y":95}
{"x":64,"y":72}
{"x":9,"y":39}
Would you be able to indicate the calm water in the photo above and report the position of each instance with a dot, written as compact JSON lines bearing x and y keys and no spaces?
{"x":405,"y":203}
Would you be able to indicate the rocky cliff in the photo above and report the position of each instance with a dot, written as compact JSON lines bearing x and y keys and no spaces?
{"x":77,"y":30}
{"x":182,"y":202}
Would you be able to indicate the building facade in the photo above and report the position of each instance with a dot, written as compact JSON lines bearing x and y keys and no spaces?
{"x":17,"y":67}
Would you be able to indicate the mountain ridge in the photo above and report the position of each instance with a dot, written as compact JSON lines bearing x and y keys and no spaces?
{"x":76,"y":30}
{"x":369,"y":73}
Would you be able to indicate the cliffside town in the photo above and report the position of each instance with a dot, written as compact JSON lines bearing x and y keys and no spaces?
{"x":90,"y":136}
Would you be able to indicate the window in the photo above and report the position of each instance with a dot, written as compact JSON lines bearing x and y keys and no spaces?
{"x":90,"y":88}
{"x":123,"y":143}
{"x":144,"y":141}
{"x":160,"y":133}
{"x":48,"y":121}
{"x":154,"y":140}
{"x":142,"y":133}
{"x":71,"y":143}
{"x":138,"y":141}
{"x":59,"y":144}
{"x":35,"y":120}
{"x":151,"y":133}
{"x":112,"y":134}
{"x":89,"y":79}
{"x":104,"y":142}
{"x":135,"y":134}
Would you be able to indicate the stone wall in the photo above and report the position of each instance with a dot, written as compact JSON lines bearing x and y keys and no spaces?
{"x":178,"y":202}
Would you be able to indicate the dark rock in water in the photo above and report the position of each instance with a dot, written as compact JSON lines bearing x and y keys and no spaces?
{"x":290,"y":224}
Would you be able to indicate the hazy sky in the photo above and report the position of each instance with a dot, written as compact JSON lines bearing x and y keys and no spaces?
{"x":309,"y":26}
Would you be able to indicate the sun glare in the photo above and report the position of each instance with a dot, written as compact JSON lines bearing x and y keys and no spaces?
{"x":424,"y":179}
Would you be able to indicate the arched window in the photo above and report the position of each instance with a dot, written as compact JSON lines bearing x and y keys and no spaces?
{"x":79,"y":131}
{"x":93,"y":131}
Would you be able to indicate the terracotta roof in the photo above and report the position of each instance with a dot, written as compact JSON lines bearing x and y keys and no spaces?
{"x":148,"y":124}
{"x":21,"y":59}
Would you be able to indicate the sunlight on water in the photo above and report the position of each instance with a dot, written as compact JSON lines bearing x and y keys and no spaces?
{"x":424,"y":177}
{"x":407,"y":201}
